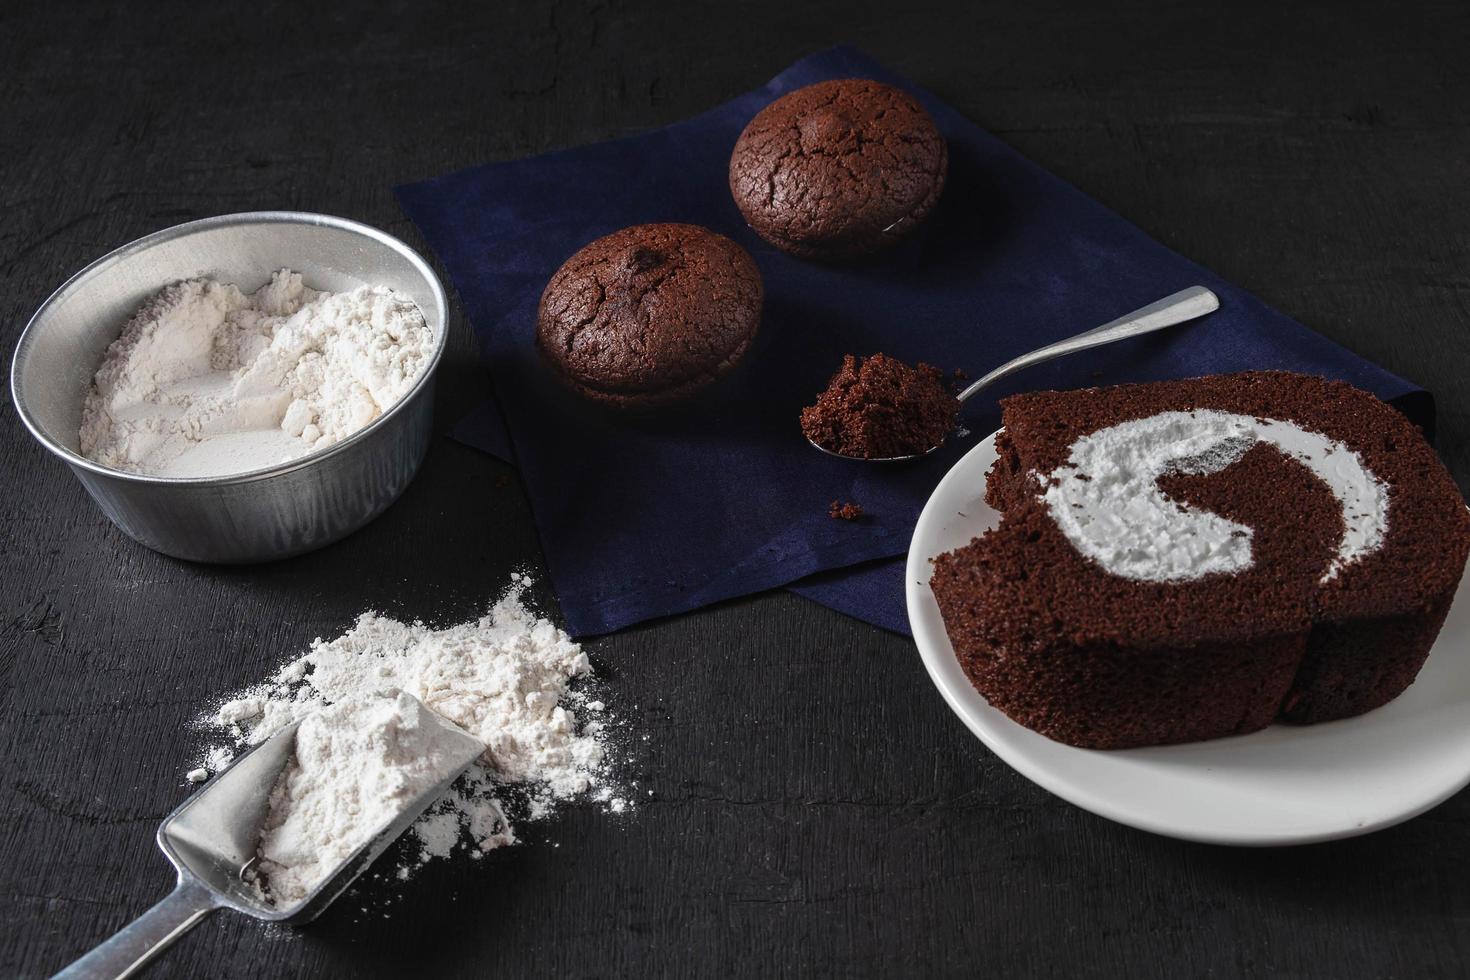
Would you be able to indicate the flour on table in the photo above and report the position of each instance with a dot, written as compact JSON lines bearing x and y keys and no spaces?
{"x":215,"y":758}
{"x":206,"y":380}
{"x":511,"y":679}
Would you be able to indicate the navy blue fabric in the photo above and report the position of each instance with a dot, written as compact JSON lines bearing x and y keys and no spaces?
{"x":642,"y":518}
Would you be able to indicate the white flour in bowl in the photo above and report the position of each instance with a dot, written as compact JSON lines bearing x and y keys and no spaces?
{"x":510,"y":679}
{"x":206,"y":380}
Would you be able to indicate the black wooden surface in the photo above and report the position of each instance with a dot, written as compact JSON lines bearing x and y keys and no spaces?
{"x":817,"y":809}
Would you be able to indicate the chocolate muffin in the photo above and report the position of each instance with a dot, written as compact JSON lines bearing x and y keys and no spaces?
{"x":649,"y":315}
{"x":838,"y":169}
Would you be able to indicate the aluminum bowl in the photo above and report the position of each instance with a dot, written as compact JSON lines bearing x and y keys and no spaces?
{"x":262,"y":514}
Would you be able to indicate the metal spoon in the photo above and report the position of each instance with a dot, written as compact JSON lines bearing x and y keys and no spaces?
{"x":212,"y":839}
{"x":1187,"y":304}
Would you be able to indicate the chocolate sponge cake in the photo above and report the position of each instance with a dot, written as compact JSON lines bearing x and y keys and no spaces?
{"x":1191,"y":559}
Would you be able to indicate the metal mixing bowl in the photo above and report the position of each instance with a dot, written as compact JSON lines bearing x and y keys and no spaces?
{"x":267,"y":513}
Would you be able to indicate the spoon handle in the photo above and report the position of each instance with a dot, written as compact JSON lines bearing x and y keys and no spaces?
{"x":1187,"y":304}
{"x":140,"y":940}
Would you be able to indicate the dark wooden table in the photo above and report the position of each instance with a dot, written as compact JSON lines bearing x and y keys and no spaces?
{"x":816,"y":808}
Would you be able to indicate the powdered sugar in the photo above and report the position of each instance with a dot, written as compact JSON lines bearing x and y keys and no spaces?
{"x":206,"y":380}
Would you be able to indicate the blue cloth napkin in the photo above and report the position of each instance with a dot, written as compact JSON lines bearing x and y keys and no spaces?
{"x":642,"y":518}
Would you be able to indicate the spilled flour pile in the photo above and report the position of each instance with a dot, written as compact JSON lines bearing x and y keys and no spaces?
{"x":506,"y":679}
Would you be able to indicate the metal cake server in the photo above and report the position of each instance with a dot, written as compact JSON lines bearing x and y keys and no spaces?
{"x":1187,"y":304}
{"x":212,"y":839}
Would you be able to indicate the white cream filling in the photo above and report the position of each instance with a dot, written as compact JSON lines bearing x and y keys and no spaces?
{"x":1107,"y":501}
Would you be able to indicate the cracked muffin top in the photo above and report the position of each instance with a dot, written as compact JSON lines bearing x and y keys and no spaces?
{"x":649,"y":315}
{"x":839,"y":169}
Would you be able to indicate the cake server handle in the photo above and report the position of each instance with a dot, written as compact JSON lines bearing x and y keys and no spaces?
{"x":149,"y":934}
{"x":1187,"y":304}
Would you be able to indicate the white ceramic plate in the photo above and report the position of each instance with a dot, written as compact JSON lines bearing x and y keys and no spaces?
{"x":1283,"y":785}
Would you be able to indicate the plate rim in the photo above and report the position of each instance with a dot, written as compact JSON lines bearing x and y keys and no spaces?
{"x":937,"y":653}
